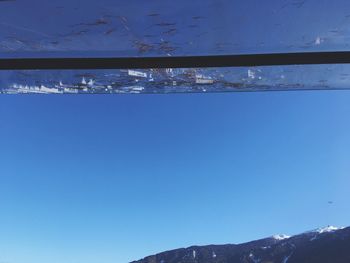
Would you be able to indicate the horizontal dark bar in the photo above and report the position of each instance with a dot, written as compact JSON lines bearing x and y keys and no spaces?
{"x":274,"y":59}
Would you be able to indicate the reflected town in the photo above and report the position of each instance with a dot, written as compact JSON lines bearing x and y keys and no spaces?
{"x":143,"y":81}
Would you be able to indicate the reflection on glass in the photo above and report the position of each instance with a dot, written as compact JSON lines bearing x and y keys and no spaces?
{"x":61,"y":28}
{"x":177,"y":80}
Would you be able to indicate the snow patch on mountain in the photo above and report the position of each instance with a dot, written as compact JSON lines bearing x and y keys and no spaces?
{"x":285,"y":260}
{"x":280,"y":237}
{"x":318,"y":231}
{"x":328,"y":229}
{"x":252,"y":257}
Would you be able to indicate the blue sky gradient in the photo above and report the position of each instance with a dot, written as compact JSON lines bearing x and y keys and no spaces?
{"x":116,"y":178}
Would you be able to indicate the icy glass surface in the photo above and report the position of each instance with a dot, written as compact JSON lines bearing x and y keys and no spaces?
{"x":298,"y":77}
{"x":71,"y":28}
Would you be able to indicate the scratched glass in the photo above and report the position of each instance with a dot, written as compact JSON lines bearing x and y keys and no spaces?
{"x":66,"y":28}
{"x":272,"y":78}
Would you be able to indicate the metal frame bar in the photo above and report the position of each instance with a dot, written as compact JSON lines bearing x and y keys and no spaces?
{"x":273,"y":59}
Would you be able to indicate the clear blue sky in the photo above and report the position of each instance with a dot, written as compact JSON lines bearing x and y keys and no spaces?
{"x":87,"y":179}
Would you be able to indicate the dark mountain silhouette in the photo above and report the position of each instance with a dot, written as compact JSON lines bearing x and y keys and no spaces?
{"x":325,"y":245}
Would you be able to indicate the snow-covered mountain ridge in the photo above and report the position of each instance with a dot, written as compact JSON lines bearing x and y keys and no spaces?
{"x":323,"y":245}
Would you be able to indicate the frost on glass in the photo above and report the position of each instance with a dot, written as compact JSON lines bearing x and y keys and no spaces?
{"x":177,"y":80}
{"x":66,"y":28}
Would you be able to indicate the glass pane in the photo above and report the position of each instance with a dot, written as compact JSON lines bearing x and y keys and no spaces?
{"x":299,"y":77}
{"x":60,"y":28}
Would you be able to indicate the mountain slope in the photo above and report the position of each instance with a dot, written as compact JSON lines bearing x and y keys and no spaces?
{"x":328,"y":245}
